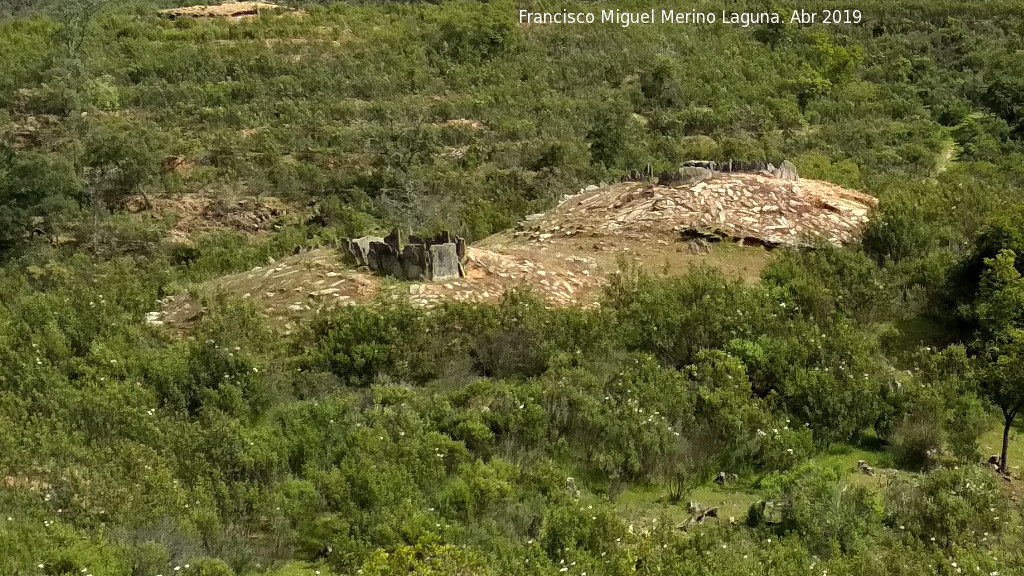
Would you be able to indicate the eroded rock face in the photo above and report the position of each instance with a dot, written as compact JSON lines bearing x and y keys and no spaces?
{"x":431,"y":259}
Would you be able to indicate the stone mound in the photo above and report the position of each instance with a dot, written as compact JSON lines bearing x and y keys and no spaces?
{"x":301,"y":284}
{"x":756,"y":208}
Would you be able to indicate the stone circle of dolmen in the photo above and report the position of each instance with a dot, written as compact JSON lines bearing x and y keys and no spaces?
{"x":440,"y":257}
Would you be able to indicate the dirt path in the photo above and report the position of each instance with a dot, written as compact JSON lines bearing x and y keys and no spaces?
{"x":946,"y":156}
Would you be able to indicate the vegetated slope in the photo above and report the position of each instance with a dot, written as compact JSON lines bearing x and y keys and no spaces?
{"x":564,"y":256}
{"x":516,"y":439}
{"x":454,"y":116}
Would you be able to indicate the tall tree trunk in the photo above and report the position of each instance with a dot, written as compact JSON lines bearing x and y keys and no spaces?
{"x":1008,"y":421}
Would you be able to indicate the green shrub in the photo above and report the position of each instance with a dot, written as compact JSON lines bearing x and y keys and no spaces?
{"x":917,"y":441}
{"x":966,"y":421}
{"x":209,"y":567}
{"x":831,"y":517}
{"x":895,"y":233}
{"x":949,"y":506}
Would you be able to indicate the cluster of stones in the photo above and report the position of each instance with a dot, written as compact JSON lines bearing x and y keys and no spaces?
{"x":431,"y":259}
{"x":770,"y":207}
{"x":489,"y":274}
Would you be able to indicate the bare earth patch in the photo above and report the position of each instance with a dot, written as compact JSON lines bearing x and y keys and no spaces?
{"x":308,"y":283}
{"x":225,"y":10}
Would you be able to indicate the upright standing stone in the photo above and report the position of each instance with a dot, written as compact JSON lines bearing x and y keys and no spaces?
{"x":444,"y":262}
{"x":359,"y":249}
{"x":414,"y":262}
{"x":786,"y":171}
{"x":394,"y":240}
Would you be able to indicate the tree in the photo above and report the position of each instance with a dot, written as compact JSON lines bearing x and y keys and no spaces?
{"x":74,"y":17}
{"x":118,"y":160}
{"x":1000,"y":314}
{"x":1004,"y":98}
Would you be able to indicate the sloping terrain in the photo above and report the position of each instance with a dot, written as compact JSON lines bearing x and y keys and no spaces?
{"x":564,"y":255}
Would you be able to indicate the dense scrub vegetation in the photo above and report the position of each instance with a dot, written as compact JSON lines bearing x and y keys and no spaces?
{"x":504,"y":440}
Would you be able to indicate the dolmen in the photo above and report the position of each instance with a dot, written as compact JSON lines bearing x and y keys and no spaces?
{"x":432,"y":259}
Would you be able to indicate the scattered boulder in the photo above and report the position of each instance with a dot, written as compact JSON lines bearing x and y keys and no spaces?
{"x":699,"y":513}
{"x":698,"y":246}
{"x":865,"y":469}
{"x":689,"y":175}
{"x":570,"y":487}
{"x":710,"y":235}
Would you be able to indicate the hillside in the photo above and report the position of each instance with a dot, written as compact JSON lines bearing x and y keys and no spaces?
{"x":736,"y":300}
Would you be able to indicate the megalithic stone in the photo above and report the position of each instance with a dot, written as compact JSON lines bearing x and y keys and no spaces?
{"x":460,"y":248}
{"x":382,"y":258}
{"x":414,"y":262}
{"x":394,"y":240}
{"x":421,"y":258}
{"x":360,"y":249}
{"x":348,"y":255}
{"x":443,"y":263}
{"x":689,"y":175}
{"x":787,"y":171}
